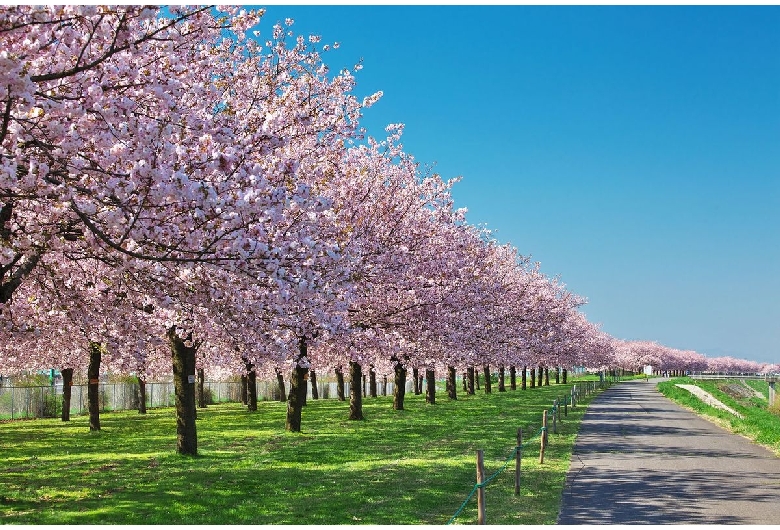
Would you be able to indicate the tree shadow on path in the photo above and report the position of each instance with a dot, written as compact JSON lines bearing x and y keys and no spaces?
{"x":641,"y":459}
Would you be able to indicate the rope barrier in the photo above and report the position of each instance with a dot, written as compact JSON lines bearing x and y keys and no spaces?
{"x":567,"y":400}
{"x":474,"y":490}
{"x":493,"y":476}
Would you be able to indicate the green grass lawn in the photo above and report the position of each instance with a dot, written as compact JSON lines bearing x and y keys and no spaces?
{"x":758,"y":423}
{"x":415,"y":466}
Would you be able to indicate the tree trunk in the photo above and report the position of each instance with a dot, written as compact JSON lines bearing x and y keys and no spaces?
{"x":243,"y":389}
{"x":399,"y":388}
{"x":540,"y":376}
{"x":464,"y":380}
{"x":452,"y":385}
{"x":355,"y":391}
{"x":546,"y":376}
{"x":430,"y":390}
{"x":565,"y":373}
{"x":201,"y":393}
{"x":280,"y":385}
{"x":251,"y":387}
{"x":513,"y":377}
{"x":141,"y":396}
{"x":557,"y":375}
{"x":315,"y":393}
{"x":533,"y":377}
{"x":67,"y":387}
{"x":297,"y":395}
{"x":416,"y":378}
{"x":384,"y":385}
{"x":183,"y":357}
{"x":371,"y":381}
{"x":501,"y":376}
{"x":486,"y":370}
{"x":470,"y":372}
{"x":93,"y":386}
{"x":340,"y":384}
{"x":524,"y":378}
{"x":476,"y":378}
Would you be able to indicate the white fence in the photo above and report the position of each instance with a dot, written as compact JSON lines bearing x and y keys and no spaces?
{"x":46,"y":401}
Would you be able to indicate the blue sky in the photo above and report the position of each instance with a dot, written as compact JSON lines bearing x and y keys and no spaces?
{"x":632,"y":151}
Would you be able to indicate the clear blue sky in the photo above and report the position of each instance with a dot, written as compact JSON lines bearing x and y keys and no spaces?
{"x":633,"y":151}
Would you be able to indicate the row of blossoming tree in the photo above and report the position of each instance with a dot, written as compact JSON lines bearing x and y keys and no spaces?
{"x":180,"y":193}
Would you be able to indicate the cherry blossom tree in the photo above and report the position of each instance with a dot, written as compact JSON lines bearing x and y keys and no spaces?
{"x":171,"y":181}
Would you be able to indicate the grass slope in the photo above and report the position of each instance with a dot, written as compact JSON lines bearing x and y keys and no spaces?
{"x":397,"y":467}
{"x":758,"y":423}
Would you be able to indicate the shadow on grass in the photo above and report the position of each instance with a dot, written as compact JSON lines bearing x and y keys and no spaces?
{"x":397,"y":467}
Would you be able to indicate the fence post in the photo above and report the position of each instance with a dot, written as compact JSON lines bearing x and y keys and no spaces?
{"x":555,"y":416}
{"x":543,"y":442}
{"x":573,"y":392}
{"x":565,"y":405}
{"x":480,"y":488}
{"x":518,"y":457}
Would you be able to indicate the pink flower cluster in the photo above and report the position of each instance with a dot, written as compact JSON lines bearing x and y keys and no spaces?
{"x":165,"y":169}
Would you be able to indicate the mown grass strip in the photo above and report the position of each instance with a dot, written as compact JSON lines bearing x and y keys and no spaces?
{"x":758,"y":423}
{"x":397,"y":467}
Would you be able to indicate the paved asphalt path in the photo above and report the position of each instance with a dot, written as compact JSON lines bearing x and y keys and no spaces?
{"x":641,"y":459}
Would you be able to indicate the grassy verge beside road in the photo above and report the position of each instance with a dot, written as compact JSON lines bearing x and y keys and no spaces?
{"x":758,"y":423}
{"x":398,"y":467}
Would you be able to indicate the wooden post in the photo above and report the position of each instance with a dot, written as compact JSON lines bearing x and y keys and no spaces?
{"x":518,"y":457}
{"x":565,"y":405}
{"x":555,"y":417}
{"x":573,"y":400}
{"x":543,"y":442}
{"x":480,"y":488}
